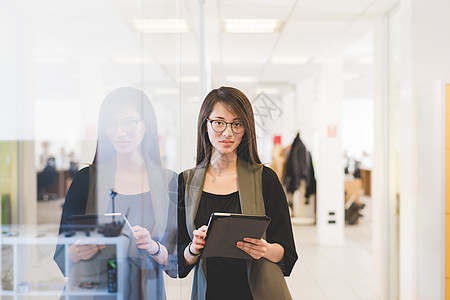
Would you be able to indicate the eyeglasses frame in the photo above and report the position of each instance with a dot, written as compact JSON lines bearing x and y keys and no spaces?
{"x":226,"y":125}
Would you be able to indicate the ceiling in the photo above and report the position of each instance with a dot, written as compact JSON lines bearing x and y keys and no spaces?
{"x":86,"y":42}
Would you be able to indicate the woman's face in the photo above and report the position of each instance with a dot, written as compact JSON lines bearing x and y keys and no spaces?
{"x":227,"y":141}
{"x":125,"y":129}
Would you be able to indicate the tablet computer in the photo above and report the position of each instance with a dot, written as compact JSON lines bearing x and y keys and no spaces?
{"x":102,"y":223}
{"x":82,"y":222}
{"x":226,"y":229}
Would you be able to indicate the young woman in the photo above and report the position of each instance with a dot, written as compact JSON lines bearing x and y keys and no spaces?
{"x":229,"y":177}
{"x":127,"y":160}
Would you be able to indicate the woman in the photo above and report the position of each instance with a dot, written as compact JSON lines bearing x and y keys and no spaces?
{"x":127,"y":162}
{"x":229,"y":177}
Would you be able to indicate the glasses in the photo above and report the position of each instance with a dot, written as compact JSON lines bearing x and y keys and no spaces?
{"x":220,"y":126}
{"x":128,"y":126}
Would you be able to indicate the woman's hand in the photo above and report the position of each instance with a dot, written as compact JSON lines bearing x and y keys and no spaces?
{"x":193,"y":249}
{"x":80,"y":250}
{"x":256,"y":248}
{"x":144,"y":240}
{"x":198,"y":242}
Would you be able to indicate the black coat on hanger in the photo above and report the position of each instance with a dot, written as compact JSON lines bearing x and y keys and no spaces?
{"x":296,"y":167}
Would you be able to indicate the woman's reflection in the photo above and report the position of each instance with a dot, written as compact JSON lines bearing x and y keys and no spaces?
{"x":127,"y":161}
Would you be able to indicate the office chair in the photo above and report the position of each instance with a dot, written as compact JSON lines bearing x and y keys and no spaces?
{"x":46,"y":179}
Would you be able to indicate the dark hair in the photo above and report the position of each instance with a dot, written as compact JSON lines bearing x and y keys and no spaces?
{"x":115,"y":101}
{"x":237,"y":103}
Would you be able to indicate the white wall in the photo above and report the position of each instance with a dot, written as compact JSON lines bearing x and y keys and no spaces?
{"x":357,"y":126}
{"x":425,"y":30}
{"x":431,"y":193}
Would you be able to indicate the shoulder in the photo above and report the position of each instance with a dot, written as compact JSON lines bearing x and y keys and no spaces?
{"x":79,"y":188}
{"x":82,"y":174}
{"x":191,"y":172}
{"x":273,"y":191}
{"x":169,"y":174}
{"x":269,"y":175}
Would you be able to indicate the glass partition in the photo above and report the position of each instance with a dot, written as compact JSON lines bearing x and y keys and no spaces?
{"x":91,"y":96}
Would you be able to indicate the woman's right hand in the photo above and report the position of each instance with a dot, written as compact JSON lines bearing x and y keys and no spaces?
{"x":82,"y":251}
{"x":198,"y":242}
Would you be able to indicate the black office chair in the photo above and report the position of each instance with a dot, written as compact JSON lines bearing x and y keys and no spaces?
{"x":46,"y":179}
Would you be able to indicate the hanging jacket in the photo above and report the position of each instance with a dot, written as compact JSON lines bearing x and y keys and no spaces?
{"x":296,"y":167}
{"x":310,"y":178}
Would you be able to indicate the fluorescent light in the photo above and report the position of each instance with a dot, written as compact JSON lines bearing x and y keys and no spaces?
{"x":50,"y":60}
{"x":132,"y":60}
{"x":161,"y":25}
{"x":267,"y":91}
{"x":193,"y":99}
{"x":167,"y":91}
{"x":366,"y":60}
{"x":350,"y":76}
{"x":251,"y":25}
{"x":290,"y":59}
{"x":240,"y":78}
{"x":188,"y":79}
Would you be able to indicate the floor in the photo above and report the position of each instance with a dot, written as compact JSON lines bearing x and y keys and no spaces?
{"x":334,"y":273}
{"x":322,"y":272}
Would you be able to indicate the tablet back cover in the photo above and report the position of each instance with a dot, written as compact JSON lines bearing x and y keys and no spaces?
{"x":227,"y":231}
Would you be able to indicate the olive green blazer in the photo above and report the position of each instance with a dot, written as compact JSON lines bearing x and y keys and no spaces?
{"x":266,"y":279}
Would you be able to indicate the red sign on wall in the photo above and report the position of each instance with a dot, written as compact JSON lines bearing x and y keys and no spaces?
{"x":332,"y":131}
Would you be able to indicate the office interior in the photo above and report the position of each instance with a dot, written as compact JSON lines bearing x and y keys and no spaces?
{"x":364,"y":84}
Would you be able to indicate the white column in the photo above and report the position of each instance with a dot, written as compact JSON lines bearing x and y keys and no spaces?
{"x":408,"y":171}
{"x":330,"y":175}
{"x":425,"y":30}
{"x":384,"y":237}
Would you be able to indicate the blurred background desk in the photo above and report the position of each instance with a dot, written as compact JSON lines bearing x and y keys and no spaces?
{"x":54,"y":184}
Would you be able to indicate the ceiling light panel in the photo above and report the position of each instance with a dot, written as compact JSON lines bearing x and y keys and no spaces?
{"x":251,"y":25}
{"x":366,"y":60}
{"x":187,"y":79}
{"x":161,"y":25}
{"x":290,"y":60}
{"x":351,"y":76}
{"x":240,"y":79}
{"x":167,"y":91}
{"x":267,"y":90}
{"x":132,"y":60}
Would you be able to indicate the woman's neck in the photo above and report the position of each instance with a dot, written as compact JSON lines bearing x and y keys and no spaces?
{"x":223,"y":163}
{"x":129,"y":162}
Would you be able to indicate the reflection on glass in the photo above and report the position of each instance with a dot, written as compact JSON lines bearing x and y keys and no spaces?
{"x":124,"y":253}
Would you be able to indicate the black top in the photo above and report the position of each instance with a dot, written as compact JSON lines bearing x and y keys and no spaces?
{"x":279,"y":230}
{"x":226,"y":277}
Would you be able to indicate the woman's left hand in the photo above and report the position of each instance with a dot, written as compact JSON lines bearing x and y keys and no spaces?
{"x":144,"y":240}
{"x":256,"y":248}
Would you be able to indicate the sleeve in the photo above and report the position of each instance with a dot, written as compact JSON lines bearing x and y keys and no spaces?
{"x":170,"y":237}
{"x":183,"y":236}
{"x":280,"y":227}
{"x":75,"y":204}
